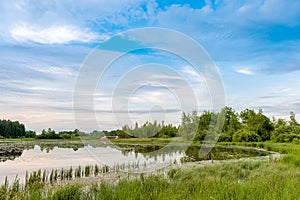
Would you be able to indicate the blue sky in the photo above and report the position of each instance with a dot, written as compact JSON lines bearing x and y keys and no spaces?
{"x":255,"y":44}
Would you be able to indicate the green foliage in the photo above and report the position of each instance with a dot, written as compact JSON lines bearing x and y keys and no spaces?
{"x":237,"y":180}
{"x":226,"y":126}
{"x":246,"y":135}
{"x":69,"y":134}
{"x":258,"y":123}
{"x":168,"y":131}
{"x":122,"y":134}
{"x":273,"y":179}
{"x":148,"y":130}
{"x":248,"y":126}
{"x":51,"y":134}
{"x":67,"y":192}
{"x":291,"y":159}
{"x":30,"y":134}
{"x":286,"y":132}
{"x":9,"y":129}
{"x":204,"y":123}
{"x":189,"y":126}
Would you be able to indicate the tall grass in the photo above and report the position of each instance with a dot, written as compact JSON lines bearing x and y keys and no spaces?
{"x":238,"y":180}
{"x":276,"y":179}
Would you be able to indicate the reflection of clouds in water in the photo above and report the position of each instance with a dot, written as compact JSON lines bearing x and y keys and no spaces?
{"x":57,"y":158}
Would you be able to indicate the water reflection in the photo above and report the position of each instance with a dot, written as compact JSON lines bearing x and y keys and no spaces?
{"x":222,"y":153}
{"x":10,"y":151}
{"x":17,"y":158}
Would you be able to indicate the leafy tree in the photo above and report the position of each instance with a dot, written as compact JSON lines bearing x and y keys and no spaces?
{"x":286,"y":131}
{"x":122,"y":134}
{"x":10,"y":129}
{"x":168,"y":131}
{"x":231,"y":121}
{"x":258,"y":123}
{"x":30,"y":134}
{"x":246,"y":135}
{"x":50,"y":134}
{"x":189,"y":125}
{"x":293,"y":121}
{"x":231,"y":124}
{"x":203,"y":125}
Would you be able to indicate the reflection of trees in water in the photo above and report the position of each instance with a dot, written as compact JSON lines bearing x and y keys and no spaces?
{"x":222,"y":153}
{"x":151,"y":151}
{"x":50,"y":146}
{"x":10,"y":151}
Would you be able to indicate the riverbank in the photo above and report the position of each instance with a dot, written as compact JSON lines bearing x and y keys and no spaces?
{"x":267,"y":177}
{"x":232,"y":180}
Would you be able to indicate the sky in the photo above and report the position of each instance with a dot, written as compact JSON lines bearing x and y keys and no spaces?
{"x":44,"y":46}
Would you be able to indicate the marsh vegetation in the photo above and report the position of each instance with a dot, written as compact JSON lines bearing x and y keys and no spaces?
{"x":163,"y":166}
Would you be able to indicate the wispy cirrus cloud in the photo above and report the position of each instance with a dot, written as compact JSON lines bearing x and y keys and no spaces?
{"x":53,"y":35}
{"x":245,"y":71}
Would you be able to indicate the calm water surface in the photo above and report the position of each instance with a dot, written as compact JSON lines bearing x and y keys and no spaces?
{"x":56,"y":157}
{"x":16,"y":159}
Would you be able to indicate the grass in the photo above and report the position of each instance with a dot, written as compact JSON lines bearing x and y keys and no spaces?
{"x":238,"y":180}
{"x":147,"y":141}
{"x":20,"y":140}
{"x":290,"y":151}
{"x":275,"y":179}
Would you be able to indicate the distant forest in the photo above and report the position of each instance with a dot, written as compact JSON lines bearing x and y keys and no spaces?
{"x":227,"y":125}
{"x":9,"y":129}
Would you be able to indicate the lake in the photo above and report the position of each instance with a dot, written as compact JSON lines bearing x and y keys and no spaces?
{"x":17,"y":158}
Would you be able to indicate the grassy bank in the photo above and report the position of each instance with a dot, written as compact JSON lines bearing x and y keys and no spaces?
{"x":18,"y":140}
{"x":144,"y":141}
{"x":275,"y":179}
{"x":150,"y":141}
{"x":290,"y":151}
{"x":242,"y":180}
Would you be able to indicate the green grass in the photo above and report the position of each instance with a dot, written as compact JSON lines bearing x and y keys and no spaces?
{"x":18,"y":140}
{"x":147,"y":141}
{"x":239,"y":180}
{"x":290,"y":151}
{"x":275,"y":179}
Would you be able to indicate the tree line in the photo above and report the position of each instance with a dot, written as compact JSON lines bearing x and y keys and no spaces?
{"x":11,"y":129}
{"x":246,"y":126}
{"x":226,"y":126}
{"x":15,"y":129}
{"x":51,"y":134}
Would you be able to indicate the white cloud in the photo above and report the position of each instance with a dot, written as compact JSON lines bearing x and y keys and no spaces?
{"x":245,"y":71}
{"x":52,"y":35}
{"x":54,"y":70}
{"x":192,"y":73}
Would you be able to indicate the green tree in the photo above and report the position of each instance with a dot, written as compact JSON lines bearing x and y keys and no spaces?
{"x":10,"y":129}
{"x":189,"y":125}
{"x":205,"y":121}
{"x":30,"y":134}
{"x":286,"y":132}
{"x":231,"y":124}
{"x":258,"y":123}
